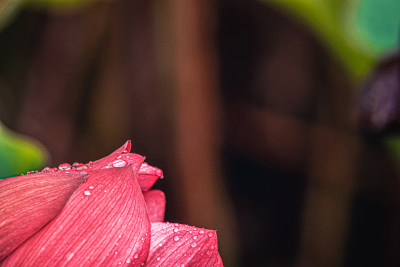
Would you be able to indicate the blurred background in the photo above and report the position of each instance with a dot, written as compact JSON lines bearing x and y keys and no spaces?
{"x":275,"y":121}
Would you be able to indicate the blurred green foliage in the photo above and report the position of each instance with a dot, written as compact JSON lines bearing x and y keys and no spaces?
{"x":377,"y":22}
{"x":18,"y":154}
{"x":357,"y":32}
{"x":9,"y":8}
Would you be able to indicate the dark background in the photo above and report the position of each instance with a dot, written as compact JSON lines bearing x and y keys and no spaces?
{"x":248,"y":113}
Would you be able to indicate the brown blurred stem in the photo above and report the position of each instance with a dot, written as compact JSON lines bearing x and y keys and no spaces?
{"x":197,"y":143}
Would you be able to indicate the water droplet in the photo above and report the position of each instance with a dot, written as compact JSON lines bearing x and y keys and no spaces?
{"x":160,"y":244}
{"x":105,"y":191}
{"x":176,"y":230}
{"x":69,"y":256}
{"x":176,"y":238}
{"x":193,"y":244}
{"x":91,"y":187}
{"x":119,"y":157}
{"x":119,"y":163}
{"x":158,"y":258}
{"x":136,"y":256}
{"x":116,"y":252}
{"x":128,"y":261}
{"x":81,"y":167}
{"x":210,"y":235}
{"x":48,"y":169}
{"x":208,"y":252}
{"x":87,"y":192}
{"x":182,"y":265}
{"x":195,"y":237}
{"x":64,"y":166}
{"x":119,"y":263}
{"x":201,"y":232}
{"x":75,"y":164}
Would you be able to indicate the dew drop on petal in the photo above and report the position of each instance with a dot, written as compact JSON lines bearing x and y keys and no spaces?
{"x":136,"y":256}
{"x":176,"y":238}
{"x":128,"y":261}
{"x":81,"y":167}
{"x":209,"y":234}
{"x":87,"y":192}
{"x":69,"y":256}
{"x":158,"y":258}
{"x":119,"y":163}
{"x":91,"y":187}
{"x":48,"y":169}
{"x":195,"y":237}
{"x":64,"y":166}
{"x":201,"y":232}
{"x":193,"y":244}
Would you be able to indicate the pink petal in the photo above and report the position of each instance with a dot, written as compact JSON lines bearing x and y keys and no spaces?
{"x":29,"y":202}
{"x":155,"y":201}
{"x":182,"y":245}
{"x":148,"y":175}
{"x":124,"y":160}
{"x":104,"y":223}
{"x":102,"y":163}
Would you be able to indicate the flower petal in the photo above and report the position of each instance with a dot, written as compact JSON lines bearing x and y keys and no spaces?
{"x":102,"y":163}
{"x":148,"y":175}
{"x":182,"y":245}
{"x":20,"y":218}
{"x":104,"y":223}
{"x":155,"y":201}
{"x":124,"y":160}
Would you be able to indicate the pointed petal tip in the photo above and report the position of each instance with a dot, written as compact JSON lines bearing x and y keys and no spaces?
{"x":148,"y":175}
{"x":127,"y":146}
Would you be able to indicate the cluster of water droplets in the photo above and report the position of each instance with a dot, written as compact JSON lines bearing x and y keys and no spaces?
{"x":180,"y":234}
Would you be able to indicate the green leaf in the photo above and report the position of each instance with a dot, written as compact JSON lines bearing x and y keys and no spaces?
{"x":324,"y":18}
{"x":375,"y":24}
{"x":19,"y":154}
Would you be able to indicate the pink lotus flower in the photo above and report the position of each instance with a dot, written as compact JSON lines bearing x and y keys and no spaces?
{"x":98,"y":214}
